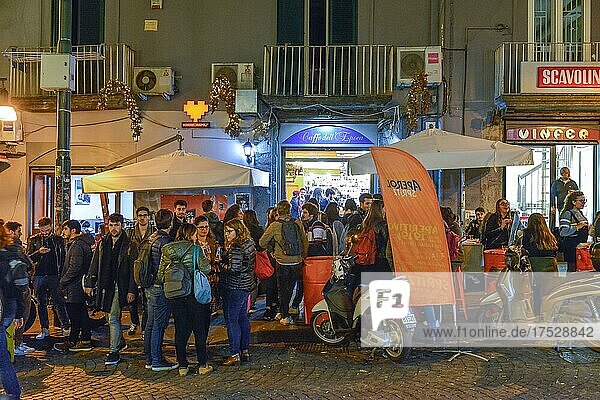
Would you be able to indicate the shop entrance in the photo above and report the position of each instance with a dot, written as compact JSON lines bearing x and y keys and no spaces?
{"x":85,"y":207}
{"x":528,"y":187}
{"x":324,"y":169}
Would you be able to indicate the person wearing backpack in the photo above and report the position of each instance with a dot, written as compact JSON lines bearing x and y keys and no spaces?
{"x":111,"y":273}
{"x":237,"y":282}
{"x":76,"y":264}
{"x":320,"y":240}
{"x":287,"y":241}
{"x":12,"y":285}
{"x":179,"y":261}
{"x":137,"y":234}
{"x":157,"y":306}
{"x":371,"y":245}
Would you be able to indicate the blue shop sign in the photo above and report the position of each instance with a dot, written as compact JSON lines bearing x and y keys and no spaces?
{"x":328,"y":135}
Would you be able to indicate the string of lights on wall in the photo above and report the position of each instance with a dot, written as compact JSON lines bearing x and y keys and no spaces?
{"x":115,"y":87}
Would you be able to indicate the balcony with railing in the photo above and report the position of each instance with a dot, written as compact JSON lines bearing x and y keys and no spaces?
{"x":509,"y":56}
{"x":328,"y":71}
{"x":96,"y":65}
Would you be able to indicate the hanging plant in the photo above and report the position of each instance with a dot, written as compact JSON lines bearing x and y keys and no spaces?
{"x":222,"y":90}
{"x":135,"y":115}
{"x":419,"y":101}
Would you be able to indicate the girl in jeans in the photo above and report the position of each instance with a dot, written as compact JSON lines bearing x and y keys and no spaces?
{"x":190,"y":316}
{"x":237,"y":280}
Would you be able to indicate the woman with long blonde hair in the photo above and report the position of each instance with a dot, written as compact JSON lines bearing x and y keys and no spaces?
{"x":237,"y":281}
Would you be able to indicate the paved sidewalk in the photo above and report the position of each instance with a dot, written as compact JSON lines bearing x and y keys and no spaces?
{"x":309,"y":371}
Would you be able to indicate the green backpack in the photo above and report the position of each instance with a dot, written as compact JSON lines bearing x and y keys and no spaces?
{"x":178,"y":280}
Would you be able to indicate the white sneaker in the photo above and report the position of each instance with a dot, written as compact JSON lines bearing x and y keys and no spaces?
{"x":66,"y":332}
{"x":25,"y":349}
{"x":43,"y":334}
{"x":278,"y":316}
{"x":286,"y":321}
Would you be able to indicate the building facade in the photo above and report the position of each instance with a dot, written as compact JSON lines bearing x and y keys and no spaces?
{"x":319,"y":81}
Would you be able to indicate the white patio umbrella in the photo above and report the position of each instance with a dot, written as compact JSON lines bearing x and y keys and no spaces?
{"x":177,"y":170}
{"x":439,"y":149}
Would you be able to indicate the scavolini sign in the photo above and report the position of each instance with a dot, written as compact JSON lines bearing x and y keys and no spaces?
{"x":560,"y":77}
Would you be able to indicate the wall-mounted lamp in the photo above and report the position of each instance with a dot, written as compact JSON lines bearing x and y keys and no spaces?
{"x":248,"y":151}
{"x":7,"y":112}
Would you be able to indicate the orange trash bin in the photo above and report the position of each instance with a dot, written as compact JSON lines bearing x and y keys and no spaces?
{"x":494,"y":261}
{"x":316,"y":273}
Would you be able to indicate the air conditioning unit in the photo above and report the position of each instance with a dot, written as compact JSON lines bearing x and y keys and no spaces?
{"x":414,"y":60}
{"x":241,"y":75}
{"x":154,"y":80}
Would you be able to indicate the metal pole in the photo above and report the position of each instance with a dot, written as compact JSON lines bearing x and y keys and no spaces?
{"x":62,"y":208}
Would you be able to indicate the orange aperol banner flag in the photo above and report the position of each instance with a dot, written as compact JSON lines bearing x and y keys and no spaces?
{"x":417,"y":233}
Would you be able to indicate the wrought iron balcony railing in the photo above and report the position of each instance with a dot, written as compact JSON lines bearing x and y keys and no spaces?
{"x":340,"y":70}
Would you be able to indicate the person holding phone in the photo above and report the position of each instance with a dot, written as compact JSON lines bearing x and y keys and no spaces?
{"x":497,"y":228}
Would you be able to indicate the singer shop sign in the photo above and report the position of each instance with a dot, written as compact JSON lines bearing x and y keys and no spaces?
{"x":552,"y":134}
{"x":560,"y":78}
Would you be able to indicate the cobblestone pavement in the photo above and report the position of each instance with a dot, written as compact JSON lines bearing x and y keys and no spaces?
{"x":313,"y":371}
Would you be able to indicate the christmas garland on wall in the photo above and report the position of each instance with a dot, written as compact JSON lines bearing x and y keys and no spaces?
{"x":419,"y":101}
{"x":135,"y":115}
{"x":222,"y":90}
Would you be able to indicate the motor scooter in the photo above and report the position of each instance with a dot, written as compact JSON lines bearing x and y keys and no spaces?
{"x":575,"y":301}
{"x":336,"y":320}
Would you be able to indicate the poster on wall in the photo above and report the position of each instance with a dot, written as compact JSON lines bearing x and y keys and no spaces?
{"x":243,"y":200}
{"x":81,"y":199}
{"x":194,"y":202}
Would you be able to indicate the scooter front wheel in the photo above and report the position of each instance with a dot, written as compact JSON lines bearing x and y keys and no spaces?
{"x":323,"y":329}
{"x":399,"y":338}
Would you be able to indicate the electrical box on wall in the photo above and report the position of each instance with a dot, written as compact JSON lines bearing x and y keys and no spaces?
{"x":58,"y":72}
{"x":11,"y":131}
{"x":246,"y":101}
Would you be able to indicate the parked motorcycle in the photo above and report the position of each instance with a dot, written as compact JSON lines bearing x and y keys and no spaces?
{"x":574,"y":301}
{"x":336,"y":320}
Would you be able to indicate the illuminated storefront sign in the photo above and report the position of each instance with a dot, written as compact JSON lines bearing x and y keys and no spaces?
{"x":328,"y":135}
{"x":553,"y":134}
{"x":563,"y":77}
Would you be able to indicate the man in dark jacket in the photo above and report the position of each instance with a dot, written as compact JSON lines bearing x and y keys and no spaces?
{"x":77,"y":262}
{"x":12,"y":306}
{"x":157,"y":305}
{"x":47,"y":252}
{"x":140,"y":231}
{"x":356,"y":219}
{"x":180,"y":211}
{"x":13,"y":228}
{"x":111,"y":273}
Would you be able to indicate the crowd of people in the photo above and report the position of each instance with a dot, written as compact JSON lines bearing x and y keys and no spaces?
{"x":161,"y":263}
{"x":156,"y":265}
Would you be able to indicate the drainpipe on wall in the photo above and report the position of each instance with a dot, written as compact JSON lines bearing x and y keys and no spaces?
{"x":62,"y":172}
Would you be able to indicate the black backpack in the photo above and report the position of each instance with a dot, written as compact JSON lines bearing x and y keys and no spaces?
{"x":292,"y":243}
